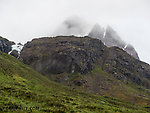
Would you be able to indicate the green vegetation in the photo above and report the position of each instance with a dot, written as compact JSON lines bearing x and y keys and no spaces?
{"x":101,"y":83}
{"x":99,"y":71}
{"x":24,"y":90}
{"x":125,"y":90}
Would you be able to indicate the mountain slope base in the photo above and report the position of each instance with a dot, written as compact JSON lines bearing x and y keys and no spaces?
{"x":24,"y":90}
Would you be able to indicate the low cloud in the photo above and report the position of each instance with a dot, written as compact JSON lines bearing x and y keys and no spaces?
{"x":73,"y":26}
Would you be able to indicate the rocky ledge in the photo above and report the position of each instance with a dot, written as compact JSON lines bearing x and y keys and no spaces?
{"x":5,"y":45}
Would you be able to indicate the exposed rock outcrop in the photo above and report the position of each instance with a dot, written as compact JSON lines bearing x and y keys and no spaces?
{"x":5,"y":45}
{"x":80,"y":55}
{"x":130,"y":50}
{"x":14,"y":53}
{"x":62,"y":54}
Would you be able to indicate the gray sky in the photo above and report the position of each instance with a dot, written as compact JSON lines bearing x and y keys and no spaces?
{"x":23,"y":20}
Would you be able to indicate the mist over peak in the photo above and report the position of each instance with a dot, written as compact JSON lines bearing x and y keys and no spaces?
{"x":72,"y":26}
{"x":79,"y":27}
{"x":97,"y":31}
{"x":111,"y":38}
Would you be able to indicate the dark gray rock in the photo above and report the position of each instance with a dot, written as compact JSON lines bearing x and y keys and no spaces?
{"x":81,"y":55}
{"x":5,"y":45}
{"x":130,"y":50}
{"x":62,"y":54}
{"x":15,"y":53}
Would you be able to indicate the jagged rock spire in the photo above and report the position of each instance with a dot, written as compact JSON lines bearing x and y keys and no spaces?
{"x":110,"y":38}
{"x":97,"y":32}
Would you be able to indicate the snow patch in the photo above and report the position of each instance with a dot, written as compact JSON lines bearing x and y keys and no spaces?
{"x":125,"y":46}
{"x":17,"y":47}
{"x":104,"y":33}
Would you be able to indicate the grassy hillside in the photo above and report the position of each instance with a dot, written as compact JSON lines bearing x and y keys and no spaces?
{"x":102,"y":83}
{"x":24,"y":90}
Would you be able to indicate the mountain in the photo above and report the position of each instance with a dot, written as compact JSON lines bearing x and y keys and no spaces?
{"x":110,"y":38}
{"x":24,"y":90}
{"x":86,"y":64}
{"x":62,"y":54}
{"x":10,"y":47}
{"x":16,"y":49}
{"x":5,"y":45}
{"x":97,"y":32}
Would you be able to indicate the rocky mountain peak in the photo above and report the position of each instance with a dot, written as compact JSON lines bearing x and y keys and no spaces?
{"x":97,"y":32}
{"x":110,"y":38}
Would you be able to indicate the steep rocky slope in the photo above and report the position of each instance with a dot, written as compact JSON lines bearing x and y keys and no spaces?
{"x":22,"y":90}
{"x":62,"y":54}
{"x":110,"y":38}
{"x":80,"y":54}
{"x":5,"y":45}
{"x":10,"y":47}
{"x":73,"y":59}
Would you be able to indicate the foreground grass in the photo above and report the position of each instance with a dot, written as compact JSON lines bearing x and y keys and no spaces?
{"x":24,"y":90}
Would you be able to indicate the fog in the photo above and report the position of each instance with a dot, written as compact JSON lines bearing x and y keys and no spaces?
{"x":23,"y":20}
{"x":73,"y":26}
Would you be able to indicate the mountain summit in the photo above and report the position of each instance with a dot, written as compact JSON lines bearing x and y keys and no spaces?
{"x":110,"y":38}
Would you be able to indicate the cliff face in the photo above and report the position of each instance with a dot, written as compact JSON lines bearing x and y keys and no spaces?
{"x":81,"y":55}
{"x":110,"y":38}
{"x":5,"y":45}
{"x":126,"y":68}
{"x":62,"y":54}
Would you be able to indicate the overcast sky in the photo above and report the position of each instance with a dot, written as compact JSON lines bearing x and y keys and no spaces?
{"x":23,"y":20}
